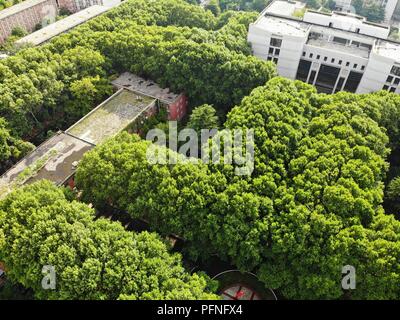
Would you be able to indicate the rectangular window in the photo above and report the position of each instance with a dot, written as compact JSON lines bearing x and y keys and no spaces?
{"x":275,"y":42}
{"x":389,"y":79}
{"x":339,"y":40}
{"x":340,"y":61}
{"x":396,"y":81}
{"x":395,"y":70}
{"x":325,"y":58}
{"x":355,"y":65}
{"x":271,"y":50}
{"x":312,"y":77}
{"x":311,"y":55}
{"x":385,"y":87}
{"x":332,"y":60}
{"x":362,"y":68}
{"x":353,"y":80}
{"x":347,"y":64}
{"x":326,"y":78}
{"x":392,"y":89}
{"x":318,"y":56}
{"x":303,"y":70}
{"x":277,"y":52}
{"x":339,"y":84}
{"x":275,"y":60}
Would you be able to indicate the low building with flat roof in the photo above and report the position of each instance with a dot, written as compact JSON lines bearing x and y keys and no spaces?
{"x":57,"y":158}
{"x":175,"y":103}
{"x":54,"y":160}
{"x":63,"y":25}
{"x":112,"y":116}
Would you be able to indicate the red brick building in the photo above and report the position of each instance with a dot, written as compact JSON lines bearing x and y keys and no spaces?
{"x":176,"y":104}
{"x":26,"y":15}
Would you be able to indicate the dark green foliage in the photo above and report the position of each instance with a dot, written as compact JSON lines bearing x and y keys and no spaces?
{"x":311,"y":206}
{"x":93,"y":259}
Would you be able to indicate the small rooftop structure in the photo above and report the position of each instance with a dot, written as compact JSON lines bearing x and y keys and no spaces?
{"x":61,"y":26}
{"x":112,"y":116}
{"x":146,"y":87}
{"x":53,"y":160}
{"x":19,"y":7}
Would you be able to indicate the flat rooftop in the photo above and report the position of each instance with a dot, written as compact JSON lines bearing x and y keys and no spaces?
{"x":388,"y":50}
{"x":111,"y":117}
{"x":355,"y":51}
{"x":284,"y":8}
{"x":146,"y":87}
{"x":61,"y":26}
{"x":53,"y":160}
{"x":19,"y":7}
{"x":283,"y":26}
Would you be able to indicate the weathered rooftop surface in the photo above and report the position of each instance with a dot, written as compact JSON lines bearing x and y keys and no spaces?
{"x":56,"y":28}
{"x":147,"y":87}
{"x":53,"y":160}
{"x":111,"y":117}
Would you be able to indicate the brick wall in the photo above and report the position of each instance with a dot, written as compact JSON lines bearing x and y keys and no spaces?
{"x":28,"y":18}
{"x":77,"y":5}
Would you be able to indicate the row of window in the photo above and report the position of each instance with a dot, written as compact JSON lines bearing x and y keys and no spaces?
{"x":333,"y":60}
{"x":326,"y":79}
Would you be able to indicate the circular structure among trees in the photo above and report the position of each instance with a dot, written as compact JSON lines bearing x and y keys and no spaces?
{"x":235,"y":285}
{"x":239,"y":292}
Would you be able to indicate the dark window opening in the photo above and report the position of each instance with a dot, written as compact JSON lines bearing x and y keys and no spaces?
{"x":312,"y":77}
{"x":339,"y":84}
{"x":395,"y":70}
{"x":353,"y":80}
{"x":303,"y":70}
{"x":275,"y":42}
{"x":326,"y":78}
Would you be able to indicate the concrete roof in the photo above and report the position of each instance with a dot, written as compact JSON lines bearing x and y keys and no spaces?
{"x":111,"y":117}
{"x":283,"y":26}
{"x":63,"y":25}
{"x":53,"y":160}
{"x":285,"y":8}
{"x":19,"y":7}
{"x":146,"y":87}
{"x":388,"y":50}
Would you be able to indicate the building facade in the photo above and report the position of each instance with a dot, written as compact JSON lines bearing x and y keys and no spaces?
{"x":27,"y":15}
{"x":333,"y":52}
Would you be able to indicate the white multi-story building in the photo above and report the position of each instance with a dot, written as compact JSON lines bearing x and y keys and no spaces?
{"x":334,"y":51}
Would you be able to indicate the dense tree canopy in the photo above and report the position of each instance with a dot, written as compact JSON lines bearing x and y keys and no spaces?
{"x":93,"y":259}
{"x":311,"y":206}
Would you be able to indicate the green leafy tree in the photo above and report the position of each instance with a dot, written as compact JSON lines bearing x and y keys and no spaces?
{"x":311,"y":206}
{"x":92,"y":258}
{"x":213,"y":6}
{"x":203,"y":117}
